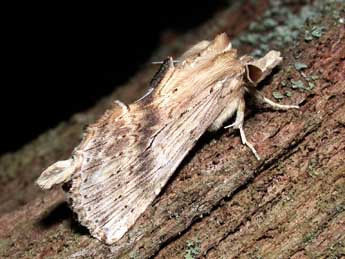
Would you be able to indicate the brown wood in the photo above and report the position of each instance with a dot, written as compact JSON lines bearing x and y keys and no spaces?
{"x":221,"y":203}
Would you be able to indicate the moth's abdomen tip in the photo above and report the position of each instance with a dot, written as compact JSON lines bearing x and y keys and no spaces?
{"x":43,"y":184}
{"x":57,"y":173}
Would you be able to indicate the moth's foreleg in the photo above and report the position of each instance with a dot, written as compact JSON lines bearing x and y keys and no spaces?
{"x":237,"y":104}
{"x":238,"y":124}
{"x":260,"y":97}
{"x":226,"y":114}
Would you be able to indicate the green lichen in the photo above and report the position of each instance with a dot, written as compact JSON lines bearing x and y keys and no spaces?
{"x":314,"y":77}
{"x":311,"y":85}
{"x":269,"y":23}
{"x":300,"y":66}
{"x":310,"y":81}
{"x":315,"y":33}
{"x":193,"y":249}
{"x":284,"y":83}
{"x":307,"y":36}
{"x":288,"y":94}
{"x":279,"y":26}
{"x":277,"y":95}
{"x":297,"y":84}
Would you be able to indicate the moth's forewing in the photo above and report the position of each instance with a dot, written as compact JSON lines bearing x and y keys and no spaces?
{"x":128,"y":158}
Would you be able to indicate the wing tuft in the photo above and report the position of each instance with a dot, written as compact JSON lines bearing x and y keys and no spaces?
{"x":59,"y":172}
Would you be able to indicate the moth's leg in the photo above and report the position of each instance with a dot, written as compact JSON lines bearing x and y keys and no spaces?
{"x":226,"y":114}
{"x":238,"y":124}
{"x":125,"y":107}
{"x":260,"y":97}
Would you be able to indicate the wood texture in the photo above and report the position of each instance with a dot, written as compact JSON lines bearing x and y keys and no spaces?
{"x":289,"y":205}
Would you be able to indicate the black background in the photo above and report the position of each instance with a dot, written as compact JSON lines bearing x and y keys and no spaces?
{"x":59,"y":59}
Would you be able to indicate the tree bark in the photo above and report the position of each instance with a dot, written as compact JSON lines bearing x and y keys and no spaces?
{"x":221,"y":202}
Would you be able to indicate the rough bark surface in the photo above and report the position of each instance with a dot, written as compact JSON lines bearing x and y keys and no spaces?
{"x":221,"y":202}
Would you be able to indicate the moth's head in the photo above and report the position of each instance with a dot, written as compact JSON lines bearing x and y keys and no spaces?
{"x":257,"y":70}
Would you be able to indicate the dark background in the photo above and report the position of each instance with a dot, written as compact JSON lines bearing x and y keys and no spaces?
{"x":60,"y":59}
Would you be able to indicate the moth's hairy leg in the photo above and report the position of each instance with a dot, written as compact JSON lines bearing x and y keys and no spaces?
{"x":226,"y":114}
{"x":260,"y":97}
{"x":125,"y":107}
{"x":238,"y":124}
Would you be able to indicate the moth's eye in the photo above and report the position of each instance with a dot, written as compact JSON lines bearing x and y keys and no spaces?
{"x":254,"y":73}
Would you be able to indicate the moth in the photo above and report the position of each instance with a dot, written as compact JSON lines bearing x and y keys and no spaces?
{"x":126,"y":158}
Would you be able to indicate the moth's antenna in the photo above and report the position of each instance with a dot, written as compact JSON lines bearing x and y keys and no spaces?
{"x":161,"y":62}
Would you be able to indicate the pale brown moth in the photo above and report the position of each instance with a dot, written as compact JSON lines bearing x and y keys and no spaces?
{"x":126,"y":158}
